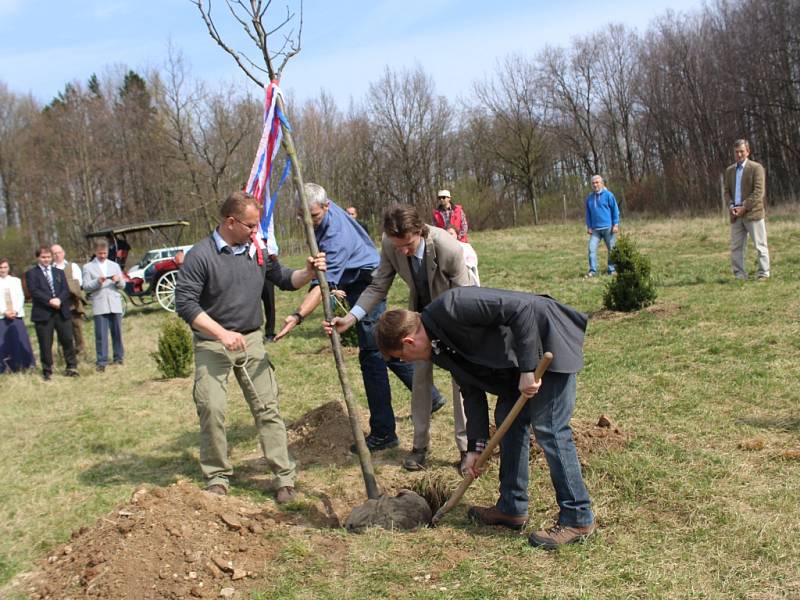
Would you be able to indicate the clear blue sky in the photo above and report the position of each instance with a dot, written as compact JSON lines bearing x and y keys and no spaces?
{"x":346,"y":43}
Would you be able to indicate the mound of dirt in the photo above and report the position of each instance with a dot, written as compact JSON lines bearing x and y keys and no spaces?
{"x":590,"y":438}
{"x":173,"y":542}
{"x":321,"y":436}
{"x":659,"y":309}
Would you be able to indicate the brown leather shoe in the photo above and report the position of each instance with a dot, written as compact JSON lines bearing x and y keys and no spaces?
{"x":415,"y":461}
{"x":217,"y":489}
{"x":285,"y":494}
{"x":558,"y":535}
{"x":490,"y":515}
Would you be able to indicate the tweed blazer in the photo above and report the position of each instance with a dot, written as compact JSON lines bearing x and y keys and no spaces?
{"x":753,"y":189}
{"x":104,"y":296}
{"x":444,"y":264}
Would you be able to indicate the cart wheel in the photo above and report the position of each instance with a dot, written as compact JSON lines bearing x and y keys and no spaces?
{"x":165,"y":290}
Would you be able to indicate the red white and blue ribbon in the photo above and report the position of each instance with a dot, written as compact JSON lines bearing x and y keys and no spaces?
{"x":258,"y":182}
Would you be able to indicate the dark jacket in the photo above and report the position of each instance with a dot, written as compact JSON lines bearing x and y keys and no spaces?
{"x":40,"y":293}
{"x":485,"y":337}
{"x":501,"y":329}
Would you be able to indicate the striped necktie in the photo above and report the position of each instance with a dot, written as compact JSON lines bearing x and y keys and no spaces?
{"x":49,"y":276}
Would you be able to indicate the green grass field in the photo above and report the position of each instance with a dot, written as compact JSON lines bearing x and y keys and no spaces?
{"x":703,"y":502}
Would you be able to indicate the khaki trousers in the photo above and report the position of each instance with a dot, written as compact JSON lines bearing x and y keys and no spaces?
{"x":256,"y":378}
{"x":77,"y":333}
{"x":757,"y":230}
{"x":421,"y":407}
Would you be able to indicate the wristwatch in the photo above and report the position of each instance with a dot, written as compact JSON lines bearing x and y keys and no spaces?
{"x":299,"y":317}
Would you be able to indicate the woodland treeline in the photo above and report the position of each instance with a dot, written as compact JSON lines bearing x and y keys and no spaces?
{"x":655,"y":113}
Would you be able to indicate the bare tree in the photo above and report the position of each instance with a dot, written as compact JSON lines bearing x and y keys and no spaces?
{"x":570,"y":79}
{"x":251,"y":19}
{"x":517,"y":139}
{"x":410,"y":123}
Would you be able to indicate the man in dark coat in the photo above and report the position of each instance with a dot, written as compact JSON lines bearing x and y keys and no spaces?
{"x":491,"y":341}
{"x":52,"y":310}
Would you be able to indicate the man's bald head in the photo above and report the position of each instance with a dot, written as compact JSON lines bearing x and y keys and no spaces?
{"x":58,"y":253}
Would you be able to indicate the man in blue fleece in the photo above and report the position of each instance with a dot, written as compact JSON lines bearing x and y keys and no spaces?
{"x":351,"y":258}
{"x":602,"y":222}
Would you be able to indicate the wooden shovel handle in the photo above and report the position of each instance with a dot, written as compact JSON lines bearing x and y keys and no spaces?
{"x":544,"y":363}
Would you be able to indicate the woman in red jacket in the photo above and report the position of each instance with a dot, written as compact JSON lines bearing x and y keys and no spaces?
{"x":448,"y":214}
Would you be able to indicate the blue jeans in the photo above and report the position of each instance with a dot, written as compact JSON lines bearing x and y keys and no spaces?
{"x":549,"y":412}
{"x":102,"y":323}
{"x":594,"y":241}
{"x":373,"y":366}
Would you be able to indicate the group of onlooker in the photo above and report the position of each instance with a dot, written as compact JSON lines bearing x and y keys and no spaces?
{"x":745,"y":190}
{"x":57,"y":289}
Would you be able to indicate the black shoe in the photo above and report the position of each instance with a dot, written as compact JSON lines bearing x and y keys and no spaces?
{"x":415,"y":461}
{"x":376,"y":443}
{"x":118,"y":363}
{"x":71,"y":373}
{"x":47,"y":376}
{"x":100,"y":368}
{"x":438,"y":403}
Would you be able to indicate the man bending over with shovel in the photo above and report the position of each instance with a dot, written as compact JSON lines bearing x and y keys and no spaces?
{"x":491,"y":340}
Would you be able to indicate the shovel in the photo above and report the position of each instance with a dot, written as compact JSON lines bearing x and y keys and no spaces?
{"x":493,"y":442}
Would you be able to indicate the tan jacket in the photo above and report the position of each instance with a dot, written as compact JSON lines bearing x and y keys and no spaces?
{"x":753,"y":189}
{"x":444,"y":261}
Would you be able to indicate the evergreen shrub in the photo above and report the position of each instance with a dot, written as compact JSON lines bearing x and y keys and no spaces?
{"x":633,"y":286}
{"x":175,"y":354}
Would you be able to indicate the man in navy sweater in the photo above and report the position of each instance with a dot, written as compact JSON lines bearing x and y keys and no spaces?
{"x":602,"y":222}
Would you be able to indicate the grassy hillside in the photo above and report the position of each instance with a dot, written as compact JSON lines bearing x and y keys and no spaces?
{"x":702,"y":501}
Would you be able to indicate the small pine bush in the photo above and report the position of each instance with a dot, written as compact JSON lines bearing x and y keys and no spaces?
{"x":175,"y":354}
{"x":340,"y":309}
{"x":633,"y":286}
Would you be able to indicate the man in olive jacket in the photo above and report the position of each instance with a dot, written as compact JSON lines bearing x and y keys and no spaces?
{"x":745,"y":188}
{"x":430,"y":262}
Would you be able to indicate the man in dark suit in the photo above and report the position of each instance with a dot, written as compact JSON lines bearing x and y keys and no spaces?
{"x":51,"y":310}
{"x":491,"y":341}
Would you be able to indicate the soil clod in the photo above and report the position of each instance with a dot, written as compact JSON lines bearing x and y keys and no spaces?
{"x":407,"y":510}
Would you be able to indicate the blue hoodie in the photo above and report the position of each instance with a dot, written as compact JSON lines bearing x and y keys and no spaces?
{"x":602,"y":211}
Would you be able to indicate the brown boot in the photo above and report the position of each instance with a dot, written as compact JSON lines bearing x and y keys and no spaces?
{"x":285,"y":494}
{"x":217,"y":489}
{"x":415,"y":461}
{"x":558,"y":535}
{"x":490,"y":515}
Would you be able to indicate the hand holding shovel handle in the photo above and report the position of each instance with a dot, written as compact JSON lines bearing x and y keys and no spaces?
{"x":493,"y":442}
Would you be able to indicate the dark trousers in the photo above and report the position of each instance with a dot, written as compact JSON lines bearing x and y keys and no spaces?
{"x":44,"y":333}
{"x":102,"y":325}
{"x":374,"y":367}
{"x":15,"y":347}
{"x":268,"y":299}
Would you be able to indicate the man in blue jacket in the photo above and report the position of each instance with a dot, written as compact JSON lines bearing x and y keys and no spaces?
{"x":351,"y":258}
{"x":602,"y":222}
